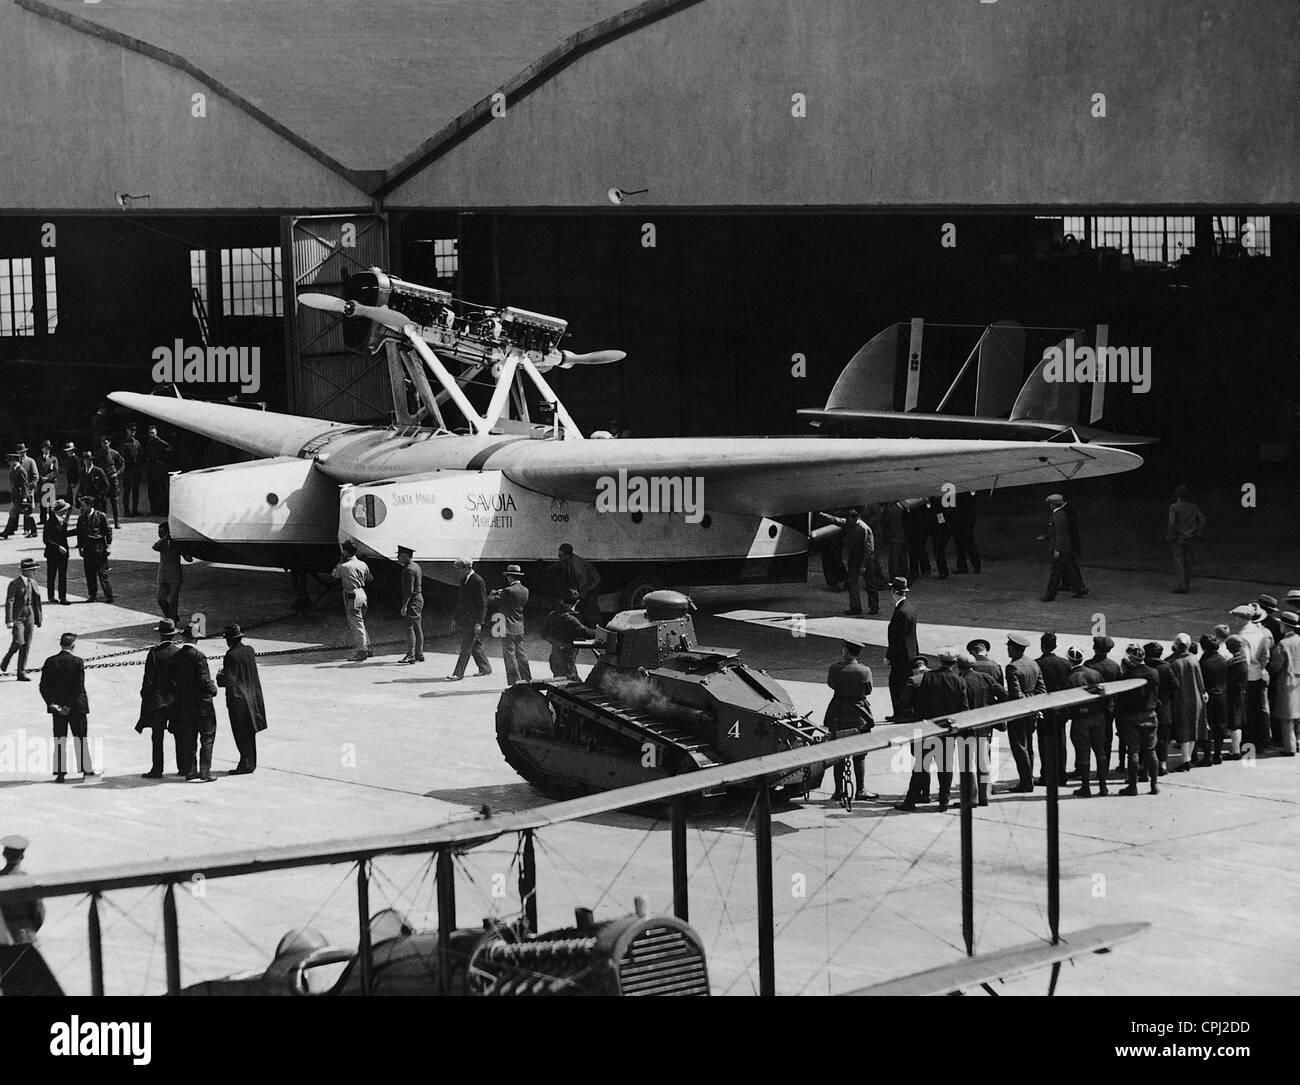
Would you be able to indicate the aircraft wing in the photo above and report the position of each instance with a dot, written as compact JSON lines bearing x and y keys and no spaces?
{"x":916,"y":424}
{"x":776,"y":476}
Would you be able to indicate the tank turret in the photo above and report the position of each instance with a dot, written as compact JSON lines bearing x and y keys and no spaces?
{"x":656,"y":703}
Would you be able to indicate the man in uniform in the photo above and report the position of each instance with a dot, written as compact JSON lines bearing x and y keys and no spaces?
{"x":1167,"y":685}
{"x":1186,"y":523}
{"x":1135,"y":715}
{"x":510,"y":601}
{"x":47,"y":463}
{"x":1109,"y":671}
{"x":562,"y":628}
{"x":849,"y":712}
{"x":158,"y":700}
{"x":155,"y":466}
{"x":22,"y":616}
{"x":859,"y":550}
{"x":63,"y":688}
{"x":902,"y":647}
{"x":238,"y":676}
{"x":471,"y":609}
{"x":572,"y":571}
{"x":55,"y":537}
{"x":1063,"y":541}
{"x":196,"y":718}
{"x":982,"y":688}
{"x":941,"y":692}
{"x":1051,"y":733}
{"x":412,"y":608}
{"x":355,"y":575}
{"x":1024,"y":679}
{"x":170,"y":574}
{"x":1087,"y":727}
{"x":110,"y":461}
{"x":94,"y":483}
{"x":22,"y":969}
{"x":94,"y":537}
{"x":133,"y":459}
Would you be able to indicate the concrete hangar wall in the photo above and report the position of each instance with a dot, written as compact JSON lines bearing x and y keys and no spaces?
{"x":981,"y":113}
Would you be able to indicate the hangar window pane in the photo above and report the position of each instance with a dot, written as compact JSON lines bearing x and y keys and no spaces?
{"x":1073,"y":224}
{"x":51,"y":297}
{"x":16,"y":298}
{"x":446,"y":257}
{"x":250,"y":282}
{"x":199,"y":283}
{"x":1181,"y":231}
{"x":1256,"y":236}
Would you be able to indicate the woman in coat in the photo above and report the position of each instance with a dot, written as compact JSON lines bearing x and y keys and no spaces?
{"x":1214,"y":674}
{"x":1187,"y":705}
{"x":1238,"y":669}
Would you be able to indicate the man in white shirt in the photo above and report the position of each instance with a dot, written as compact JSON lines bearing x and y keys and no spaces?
{"x":1245,"y":623}
{"x":355,"y":575}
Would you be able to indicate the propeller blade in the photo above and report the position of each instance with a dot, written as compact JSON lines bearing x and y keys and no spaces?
{"x":390,"y":318}
{"x":595,"y":357}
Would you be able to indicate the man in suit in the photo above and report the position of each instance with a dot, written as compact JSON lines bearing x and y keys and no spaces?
{"x":171,"y":575}
{"x":983,"y":688}
{"x":471,"y":609}
{"x":963,"y":527}
{"x":55,"y":536}
{"x":63,"y":688}
{"x":510,"y":601}
{"x":354,"y":574}
{"x":979,"y":649}
{"x":196,"y":718}
{"x":850,"y":712}
{"x":902,"y":647}
{"x":895,"y":530}
{"x":860,"y":549}
{"x":20,"y":498}
{"x":110,"y":461}
{"x":158,"y":700}
{"x":133,"y":459}
{"x":72,"y":471}
{"x":47,"y":463}
{"x":1051,"y":734}
{"x":94,"y":483}
{"x":1186,"y":524}
{"x":1167,"y":684}
{"x":1063,"y":541}
{"x":916,"y":521}
{"x":244,"y":704}
{"x":1024,"y":679}
{"x":22,"y":616}
{"x":1109,"y":671}
{"x":94,"y":537}
{"x":156,"y":451}
{"x":941,"y":692}
{"x":1087,"y":726}
{"x":412,"y":608}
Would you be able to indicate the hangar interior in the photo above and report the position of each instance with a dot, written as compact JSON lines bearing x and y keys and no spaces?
{"x":176,"y":174}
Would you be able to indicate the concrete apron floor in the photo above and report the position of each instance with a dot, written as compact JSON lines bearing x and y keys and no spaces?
{"x":1211,"y":862}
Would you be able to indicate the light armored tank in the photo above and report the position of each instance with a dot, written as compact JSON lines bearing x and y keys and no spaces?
{"x":657,"y":703}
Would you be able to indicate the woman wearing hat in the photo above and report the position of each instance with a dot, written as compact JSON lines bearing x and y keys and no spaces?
{"x":1284,"y":669}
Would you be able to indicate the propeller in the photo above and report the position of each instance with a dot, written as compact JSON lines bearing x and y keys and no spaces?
{"x":390,"y":318}
{"x":595,"y":357}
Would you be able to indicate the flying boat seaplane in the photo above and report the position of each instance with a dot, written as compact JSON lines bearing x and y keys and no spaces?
{"x":490,"y":482}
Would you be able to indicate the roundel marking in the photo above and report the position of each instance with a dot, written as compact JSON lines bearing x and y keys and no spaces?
{"x":369,"y":510}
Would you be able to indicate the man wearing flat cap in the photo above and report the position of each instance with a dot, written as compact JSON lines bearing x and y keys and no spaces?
{"x":508,"y":624}
{"x":238,"y":676}
{"x":902,"y":647}
{"x":1135,"y":716}
{"x":412,"y":608}
{"x":849,"y":712}
{"x":158,"y":700}
{"x":1087,"y":726}
{"x":1024,"y":679}
{"x":1109,"y":670}
{"x":22,"y":616}
{"x":1063,"y":543}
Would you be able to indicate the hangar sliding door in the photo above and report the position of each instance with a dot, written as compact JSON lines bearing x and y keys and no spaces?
{"x":326,"y":380}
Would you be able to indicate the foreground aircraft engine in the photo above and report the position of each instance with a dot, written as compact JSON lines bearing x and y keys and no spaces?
{"x":656,"y":704}
{"x":631,"y":955}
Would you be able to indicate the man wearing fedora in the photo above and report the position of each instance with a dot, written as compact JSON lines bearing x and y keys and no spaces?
{"x":158,"y":700}
{"x":1062,"y":540}
{"x":412,"y":608}
{"x":22,"y":616}
{"x":63,"y":688}
{"x":196,"y":719}
{"x":72,"y":472}
{"x":471,"y":609}
{"x":244,"y":705}
{"x":94,"y":537}
{"x":902,"y":647}
{"x":48,"y":466}
{"x":510,"y":602}
{"x":55,"y":536}
{"x":1246,"y":622}
{"x":94,"y":483}
{"x":22,"y":487}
